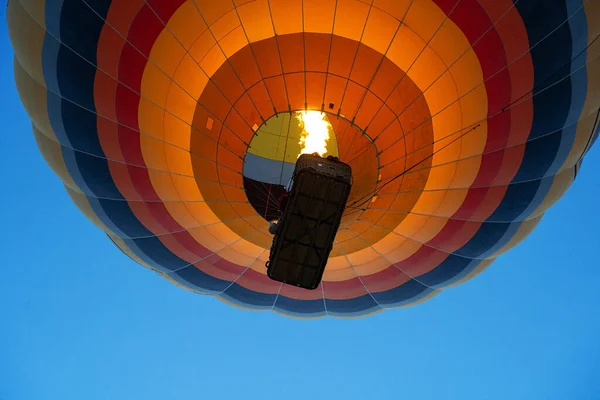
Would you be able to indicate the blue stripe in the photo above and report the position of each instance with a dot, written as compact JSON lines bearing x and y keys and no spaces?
{"x":53,"y":10}
{"x":511,"y":230}
{"x":451,"y":270}
{"x":119,"y":214}
{"x":197,"y":280}
{"x":558,"y":101}
{"x":245,"y":297}
{"x":407,"y":293}
{"x":300,"y":308}
{"x":543,"y":189}
{"x":266,"y":170}
{"x":351,"y":307}
{"x":579,"y":82}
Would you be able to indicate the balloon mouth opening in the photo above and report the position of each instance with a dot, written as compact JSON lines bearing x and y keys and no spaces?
{"x":278,"y":143}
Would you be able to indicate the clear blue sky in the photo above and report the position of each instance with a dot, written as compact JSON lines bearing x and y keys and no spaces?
{"x":79,"y":320}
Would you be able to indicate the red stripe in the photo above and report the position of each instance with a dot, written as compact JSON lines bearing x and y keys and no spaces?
{"x":144,"y":31}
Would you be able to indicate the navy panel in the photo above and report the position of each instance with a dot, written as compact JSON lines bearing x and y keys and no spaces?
{"x":71,"y":164}
{"x":119,"y":212}
{"x":544,"y":188}
{"x":551,"y":58}
{"x":355,"y":305}
{"x":517,"y":199}
{"x":551,"y":62}
{"x":74,"y":121}
{"x":300,"y":306}
{"x":579,"y":78}
{"x":156,"y":251}
{"x":194,"y":277}
{"x":452,"y":266}
{"x":488,"y":236}
{"x":80,"y":27}
{"x":408,"y":291}
{"x":81,"y":128}
{"x":75,"y":126}
{"x":99,"y":6}
{"x":97,"y":176}
{"x":54,"y":101}
{"x":250,"y":297}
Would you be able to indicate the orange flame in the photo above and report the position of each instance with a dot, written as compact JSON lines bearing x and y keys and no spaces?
{"x":315,"y":132}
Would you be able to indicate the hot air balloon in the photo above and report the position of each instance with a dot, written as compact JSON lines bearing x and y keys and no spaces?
{"x":173,"y":126}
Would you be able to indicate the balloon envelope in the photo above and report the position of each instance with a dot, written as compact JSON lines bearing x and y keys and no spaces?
{"x":171,"y":124}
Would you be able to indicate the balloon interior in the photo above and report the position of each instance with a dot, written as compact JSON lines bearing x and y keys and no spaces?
{"x":175,"y":126}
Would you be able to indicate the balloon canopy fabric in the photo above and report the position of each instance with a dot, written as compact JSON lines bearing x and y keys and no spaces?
{"x":171,"y":124}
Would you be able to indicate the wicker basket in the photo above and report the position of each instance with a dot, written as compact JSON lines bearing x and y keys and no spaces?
{"x":327,"y":166}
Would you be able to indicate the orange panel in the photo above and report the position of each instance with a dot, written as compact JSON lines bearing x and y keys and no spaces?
{"x":278,"y":91}
{"x":211,"y":191}
{"x":256,"y":19}
{"x":334,"y":91}
{"x":227,"y":158}
{"x":351,"y":18}
{"x":393,"y":133}
{"x":370,"y":105}
{"x":318,"y":15}
{"x":248,"y":111}
{"x":287,"y":16}
{"x":405,"y":200}
{"x":380,"y":121}
{"x":315,"y":89}
{"x":246,"y":67}
{"x":352,"y":96}
{"x":199,"y":121}
{"x":374,"y":234}
{"x":291,"y":49}
{"x":204,"y":168}
{"x":295,"y":89}
{"x":228,"y":82}
{"x":365,"y":65}
{"x":230,"y":144}
{"x":386,"y":79}
{"x":214,"y":100}
{"x":317,"y":51}
{"x":380,"y":30}
{"x":401,"y":97}
{"x":211,"y":10}
{"x":342,"y":56}
{"x":396,"y":8}
{"x":230,"y":177}
{"x":267,"y":56}
{"x":261,"y":99}
{"x":237,"y":124}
